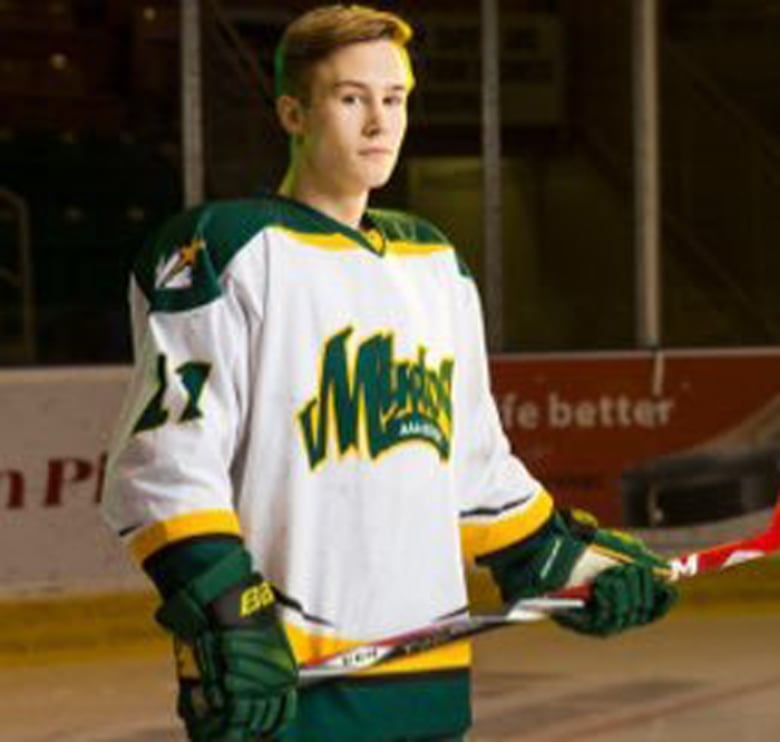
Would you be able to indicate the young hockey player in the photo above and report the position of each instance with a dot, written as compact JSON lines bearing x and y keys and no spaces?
{"x":309,"y":452}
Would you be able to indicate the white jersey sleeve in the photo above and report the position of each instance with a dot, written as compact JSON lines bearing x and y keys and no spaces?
{"x":169,"y":472}
{"x":501,"y":502}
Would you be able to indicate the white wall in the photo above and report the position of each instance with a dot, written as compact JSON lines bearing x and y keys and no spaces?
{"x":54,"y":430}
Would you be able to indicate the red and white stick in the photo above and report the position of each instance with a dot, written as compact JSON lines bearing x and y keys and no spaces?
{"x":444,"y":632}
{"x":728,"y":555}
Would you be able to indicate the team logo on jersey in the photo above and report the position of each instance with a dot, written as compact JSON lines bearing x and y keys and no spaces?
{"x":176,"y":272}
{"x":376,"y":402}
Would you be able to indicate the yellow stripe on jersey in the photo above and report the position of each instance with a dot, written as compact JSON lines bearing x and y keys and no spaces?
{"x":342,"y":242}
{"x":308,"y":647}
{"x":152,"y":538}
{"x":333,"y":241}
{"x":483,"y":535}
{"x":415,"y":248}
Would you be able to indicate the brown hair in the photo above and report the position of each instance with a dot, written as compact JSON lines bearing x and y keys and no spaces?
{"x":314,"y":35}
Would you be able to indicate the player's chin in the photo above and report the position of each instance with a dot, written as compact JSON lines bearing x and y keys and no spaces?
{"x":377,"y":177}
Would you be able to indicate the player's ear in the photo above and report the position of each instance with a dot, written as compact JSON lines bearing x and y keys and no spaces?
{"x":291,"y":114}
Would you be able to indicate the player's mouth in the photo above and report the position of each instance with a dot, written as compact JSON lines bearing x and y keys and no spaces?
{"x":375,"y":152}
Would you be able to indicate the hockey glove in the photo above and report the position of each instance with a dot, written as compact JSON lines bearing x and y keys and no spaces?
{"x":247,"y":670}
{"x":628,"y":581}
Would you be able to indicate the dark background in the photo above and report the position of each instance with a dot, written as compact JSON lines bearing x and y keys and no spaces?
{"x":90,"y":150}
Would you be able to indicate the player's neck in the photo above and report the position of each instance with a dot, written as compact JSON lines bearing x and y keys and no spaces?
{"x":347,"y":208}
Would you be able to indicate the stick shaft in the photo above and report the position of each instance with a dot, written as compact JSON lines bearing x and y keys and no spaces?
{"x":436,"y":635}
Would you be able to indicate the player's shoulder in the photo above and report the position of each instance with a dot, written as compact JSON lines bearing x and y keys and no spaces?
{"x":181,"y":265}
{"x":405,"y":228}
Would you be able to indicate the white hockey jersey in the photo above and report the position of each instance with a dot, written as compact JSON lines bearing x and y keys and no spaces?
{"x":324,"y":393}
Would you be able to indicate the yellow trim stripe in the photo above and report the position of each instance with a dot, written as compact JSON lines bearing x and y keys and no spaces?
{"x":625,"y":558}
{"x":333,"y":241}
{"x":341,"y":242}
{"x":618,"y":556}
{"x":414,"y":248}
{"x":154,"y":537}
{"x":308,"y":647}
{"x":480,"y":536}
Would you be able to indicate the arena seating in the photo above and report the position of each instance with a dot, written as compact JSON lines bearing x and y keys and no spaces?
{"x":88,"y":94}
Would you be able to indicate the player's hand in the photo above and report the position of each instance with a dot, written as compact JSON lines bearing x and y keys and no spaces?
{"x":629,"y":582}
{"x":621,"y":598}
{"x":629,"y":585}
{"x":247,"y":674}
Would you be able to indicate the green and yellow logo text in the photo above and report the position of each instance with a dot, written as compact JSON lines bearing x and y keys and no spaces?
{"x":371,"y":402}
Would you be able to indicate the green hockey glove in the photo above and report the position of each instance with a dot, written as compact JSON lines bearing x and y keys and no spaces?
{"x":247,"y":671}
{"x":628,"y":580}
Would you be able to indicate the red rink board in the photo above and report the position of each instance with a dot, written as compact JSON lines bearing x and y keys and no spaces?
{"x":579,"y":420}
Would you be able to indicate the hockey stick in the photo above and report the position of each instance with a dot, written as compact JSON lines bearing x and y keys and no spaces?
{"x":371,"y":654}
{"x":436,"y":635}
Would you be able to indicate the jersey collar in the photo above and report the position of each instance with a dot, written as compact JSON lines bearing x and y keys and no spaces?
{"x":370,"y":237}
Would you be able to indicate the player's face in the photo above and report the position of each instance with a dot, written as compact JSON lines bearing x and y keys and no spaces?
{"x":354,"y":121}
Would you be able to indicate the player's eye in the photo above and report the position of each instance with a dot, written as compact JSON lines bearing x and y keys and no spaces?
{"x":394,"y":100}
{"x":350,"y":99}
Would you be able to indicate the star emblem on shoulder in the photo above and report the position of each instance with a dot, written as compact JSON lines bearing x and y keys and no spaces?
{"x":176,"y":272}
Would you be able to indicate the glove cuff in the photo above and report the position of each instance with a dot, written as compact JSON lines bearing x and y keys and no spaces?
{"x":186,"y":613}
{"x":538,"y":564}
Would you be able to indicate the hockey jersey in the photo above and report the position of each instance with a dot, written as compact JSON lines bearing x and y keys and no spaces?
{"x":322,"y":392}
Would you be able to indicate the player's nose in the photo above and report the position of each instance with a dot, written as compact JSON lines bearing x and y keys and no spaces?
{"x":376,"y":118}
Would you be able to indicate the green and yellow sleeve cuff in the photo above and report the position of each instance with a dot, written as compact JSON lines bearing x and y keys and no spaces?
{"x":485,"y":531}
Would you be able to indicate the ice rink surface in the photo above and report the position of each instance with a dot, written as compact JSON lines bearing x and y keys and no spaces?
{"x":710,"y":674}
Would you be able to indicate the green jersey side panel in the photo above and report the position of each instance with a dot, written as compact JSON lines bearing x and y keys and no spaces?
{"x":383,"y":710}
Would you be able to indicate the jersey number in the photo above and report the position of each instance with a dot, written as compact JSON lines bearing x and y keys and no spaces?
{"x":193,"y":375}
